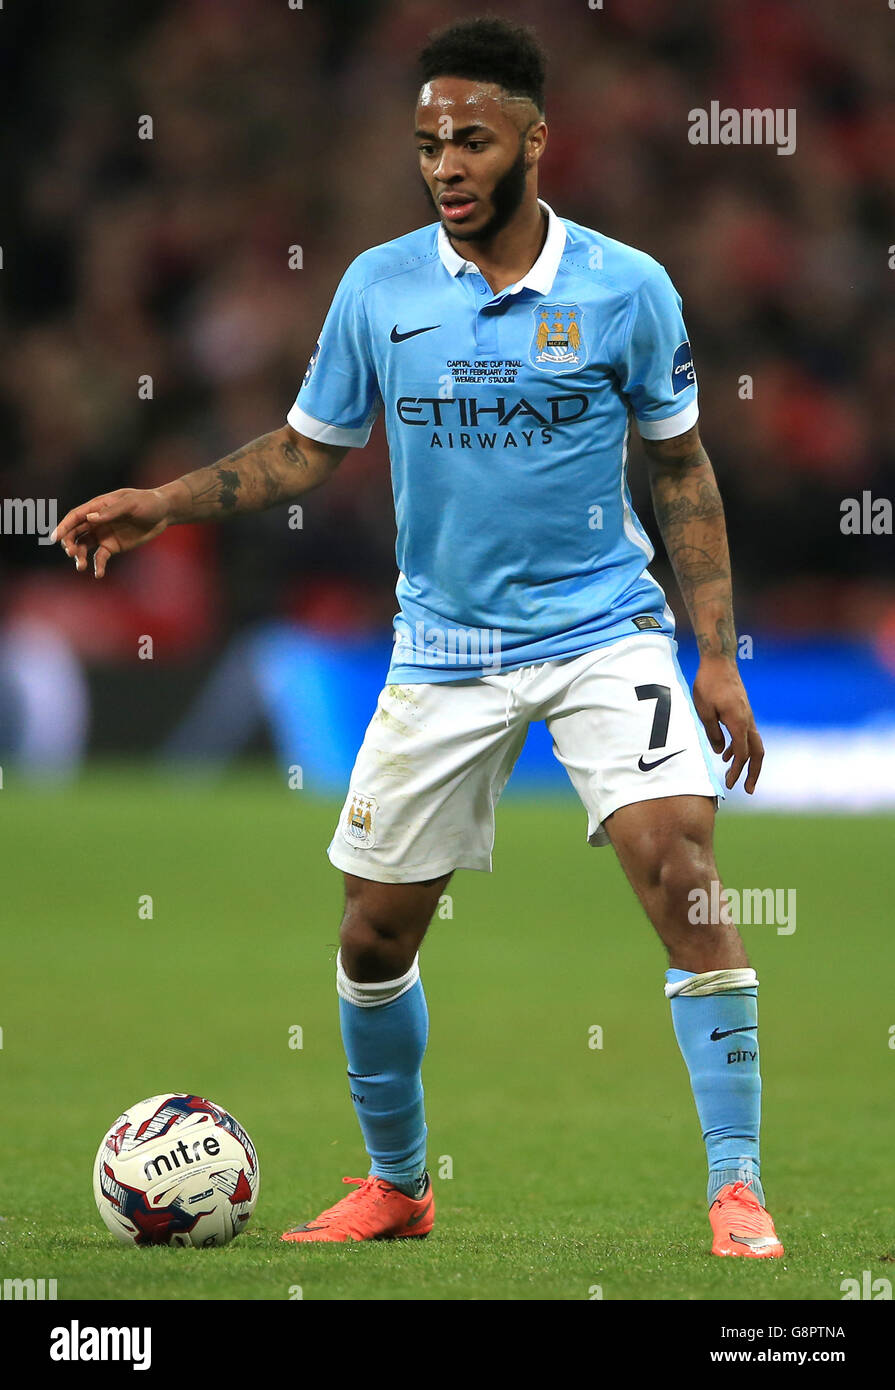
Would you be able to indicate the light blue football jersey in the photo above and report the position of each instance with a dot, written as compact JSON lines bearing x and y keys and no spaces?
{"x":507,"y":418}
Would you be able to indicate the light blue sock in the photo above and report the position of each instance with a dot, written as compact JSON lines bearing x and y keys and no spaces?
{"x":385,"y":1028}
{"x":718,"y":1037}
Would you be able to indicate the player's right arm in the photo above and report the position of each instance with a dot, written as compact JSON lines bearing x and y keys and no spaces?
{"x":276,"y":468}
{"x":334,"y":412}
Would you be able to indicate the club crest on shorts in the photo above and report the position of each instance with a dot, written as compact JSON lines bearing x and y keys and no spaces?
{"x":557,"y":342}
{"x":359,"y":828}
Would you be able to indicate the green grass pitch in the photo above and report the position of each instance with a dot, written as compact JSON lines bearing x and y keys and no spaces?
{"x":573,"y":1168}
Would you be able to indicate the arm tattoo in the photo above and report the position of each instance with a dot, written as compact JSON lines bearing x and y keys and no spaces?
{"x":294,"y":455}
{"x":690,"y":515}
{"x":229,"y":481}
{"x":215,"y":486}
{"x":264,"y":473}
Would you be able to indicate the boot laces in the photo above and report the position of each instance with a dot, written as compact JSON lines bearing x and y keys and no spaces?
{"x":333,"y":1213}
{"x":750,"y":1214}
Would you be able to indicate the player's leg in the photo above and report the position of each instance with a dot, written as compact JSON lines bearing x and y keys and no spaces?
{"x":385,"y":1021}
{"x":383,"y":925}
{"x":385,"y":1028}
{"x":626,"y":731}
{"x":665,"y":849}
{"x":432,"y":766}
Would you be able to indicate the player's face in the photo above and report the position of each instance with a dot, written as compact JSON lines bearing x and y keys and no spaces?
{"x":477,"y":151}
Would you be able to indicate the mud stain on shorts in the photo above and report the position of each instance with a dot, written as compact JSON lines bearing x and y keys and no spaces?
{"x":384,"y":716}
{"x":406,"y":693}
{"x":397,"y":765}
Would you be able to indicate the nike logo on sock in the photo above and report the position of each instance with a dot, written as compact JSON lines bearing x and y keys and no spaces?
{"x":718,"y":1033}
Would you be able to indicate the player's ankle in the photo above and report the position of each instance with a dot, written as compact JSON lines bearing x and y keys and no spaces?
{"x":415,"y":1187}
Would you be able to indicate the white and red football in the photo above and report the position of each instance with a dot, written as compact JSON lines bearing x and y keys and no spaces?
{"x":176,"y":1170}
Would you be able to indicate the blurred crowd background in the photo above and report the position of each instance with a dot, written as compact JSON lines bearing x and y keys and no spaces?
{"x":273,"y":127}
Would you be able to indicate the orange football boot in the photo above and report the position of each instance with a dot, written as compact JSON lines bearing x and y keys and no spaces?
{"x":741,"y":1226}
{"x":375,"y":1210}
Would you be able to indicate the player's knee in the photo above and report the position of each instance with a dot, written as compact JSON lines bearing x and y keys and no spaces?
{"x":368,"y":955}
{"x":681,"y":868}
{"x":695,"y":939}
{"x":367,"y":921}
{"x":381,"y":931}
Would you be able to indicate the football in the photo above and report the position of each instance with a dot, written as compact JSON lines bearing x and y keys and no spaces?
{"x":176,"y":1170}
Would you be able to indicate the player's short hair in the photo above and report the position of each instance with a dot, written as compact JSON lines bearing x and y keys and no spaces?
{"x":488,"y":49}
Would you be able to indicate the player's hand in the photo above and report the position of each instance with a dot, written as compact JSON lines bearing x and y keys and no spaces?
{"x":720,"y":699}
{"x":111,"y":524}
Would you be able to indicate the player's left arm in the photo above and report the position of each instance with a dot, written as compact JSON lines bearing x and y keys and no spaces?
{"x":690,"y":515}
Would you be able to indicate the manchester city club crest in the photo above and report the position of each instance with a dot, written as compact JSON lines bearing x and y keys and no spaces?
{"x":359,"y":825}
{"x":557,"y":343}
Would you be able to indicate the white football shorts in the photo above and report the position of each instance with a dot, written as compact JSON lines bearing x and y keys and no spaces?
{"x":436,"y":757}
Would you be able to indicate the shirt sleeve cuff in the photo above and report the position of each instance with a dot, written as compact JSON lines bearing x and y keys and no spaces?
{"x":672,"y":425}
{"x":330,"y":434}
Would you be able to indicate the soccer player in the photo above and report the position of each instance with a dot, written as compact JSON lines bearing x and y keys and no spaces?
{"x":510,"y":349}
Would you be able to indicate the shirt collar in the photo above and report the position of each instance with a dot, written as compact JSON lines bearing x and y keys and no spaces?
{"x":542,"y":274}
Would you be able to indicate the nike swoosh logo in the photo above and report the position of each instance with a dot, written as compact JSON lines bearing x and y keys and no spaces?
{"x":648,"y":767}
{"x":718,"y":1033}
{"x":414,"y":332}
{"x":415,"y":1220}
{"x":753,"y":1242}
